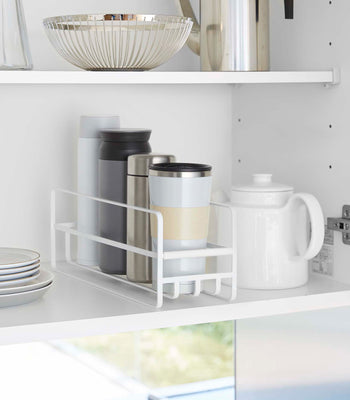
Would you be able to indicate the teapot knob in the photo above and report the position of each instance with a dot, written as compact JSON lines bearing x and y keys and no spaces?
{"x":262,"y":178}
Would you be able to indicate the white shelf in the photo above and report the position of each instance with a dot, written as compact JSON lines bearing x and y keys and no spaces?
{"x":160,"y":77}
{"x":73,"y":307}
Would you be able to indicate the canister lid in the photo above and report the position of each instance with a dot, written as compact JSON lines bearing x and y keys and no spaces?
{"x":125,"y":135}
{"x":138,"y":164}
{"x":183,"y":170}
{"x":262,"y":183}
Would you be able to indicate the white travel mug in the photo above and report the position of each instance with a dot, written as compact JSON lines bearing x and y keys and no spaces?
{"x":88,"y":154}
{"x":181,"y":192}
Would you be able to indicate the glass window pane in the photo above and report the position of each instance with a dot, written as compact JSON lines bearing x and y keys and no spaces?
{"x":167,"y":357}
{"x":188,"y":363}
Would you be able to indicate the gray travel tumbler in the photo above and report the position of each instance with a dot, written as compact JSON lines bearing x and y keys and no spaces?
{"x":117,"y":145}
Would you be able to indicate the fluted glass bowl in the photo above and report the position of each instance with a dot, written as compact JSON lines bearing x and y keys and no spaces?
{"x":109,"y":42}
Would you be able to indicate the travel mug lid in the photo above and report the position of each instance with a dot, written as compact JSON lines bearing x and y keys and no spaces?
{"x":138,"y":164}
{"x":180,"y":170}
{"x":125,"y":135}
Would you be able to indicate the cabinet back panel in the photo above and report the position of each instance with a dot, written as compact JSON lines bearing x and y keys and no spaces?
{"x":39,"y":127}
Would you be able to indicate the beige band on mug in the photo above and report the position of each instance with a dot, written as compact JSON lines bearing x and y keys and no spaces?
{"x":182,"y":223}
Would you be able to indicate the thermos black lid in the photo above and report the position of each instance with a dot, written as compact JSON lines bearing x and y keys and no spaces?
{"x":119,"y":144}
{"x":125,"y":135}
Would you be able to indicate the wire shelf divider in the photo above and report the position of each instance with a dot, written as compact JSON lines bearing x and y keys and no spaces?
{"x":157,"y":288}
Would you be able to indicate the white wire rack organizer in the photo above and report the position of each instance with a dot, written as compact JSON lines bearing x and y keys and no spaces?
{"x":218,"y":279}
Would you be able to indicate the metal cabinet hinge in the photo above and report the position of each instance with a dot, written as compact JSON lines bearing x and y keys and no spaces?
{"x":341,"y":224}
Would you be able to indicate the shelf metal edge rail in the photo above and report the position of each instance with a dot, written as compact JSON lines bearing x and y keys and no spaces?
{"x":214,"y":251}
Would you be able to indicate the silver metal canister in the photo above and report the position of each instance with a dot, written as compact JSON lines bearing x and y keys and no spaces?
{"x":139,"y":268}
{"x":232,"y":35}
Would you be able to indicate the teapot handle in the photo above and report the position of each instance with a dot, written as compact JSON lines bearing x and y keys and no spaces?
{"x":317,"y":223}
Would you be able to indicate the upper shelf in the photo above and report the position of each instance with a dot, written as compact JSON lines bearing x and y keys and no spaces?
{"x":160,"y":77}
{"x":76,"y":307}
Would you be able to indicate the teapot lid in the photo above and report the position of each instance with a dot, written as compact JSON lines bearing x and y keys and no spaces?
{"x":263,"y":183}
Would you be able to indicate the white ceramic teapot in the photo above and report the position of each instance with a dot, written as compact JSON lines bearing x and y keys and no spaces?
{"x":273,"y":234}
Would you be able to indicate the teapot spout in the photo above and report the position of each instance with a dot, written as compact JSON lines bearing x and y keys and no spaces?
{"x":186,"y":10}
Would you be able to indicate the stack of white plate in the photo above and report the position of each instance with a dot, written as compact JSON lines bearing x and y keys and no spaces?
{"x":21,"y":280}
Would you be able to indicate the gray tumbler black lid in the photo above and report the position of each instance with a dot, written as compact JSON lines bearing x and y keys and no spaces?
{"x":125,"y":135}
{"x":119,"y":144}
{"x":184,"y":170}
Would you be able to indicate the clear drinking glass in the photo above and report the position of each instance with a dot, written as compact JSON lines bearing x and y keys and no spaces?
{"x":14,"y":46}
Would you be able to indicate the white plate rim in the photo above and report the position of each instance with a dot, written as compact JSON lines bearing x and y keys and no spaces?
{"x":34,"y":253}
{"x":29,"y":287}
{"x":6,"y":296}
{"x":20,"y":280}
{"x":19,"y":275}
{"x":27,"y":296}
{"x":15,"y":270}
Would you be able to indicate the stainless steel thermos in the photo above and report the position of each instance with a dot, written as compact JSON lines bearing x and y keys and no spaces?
{"x":139,"y":267}
{"x":117,"y":145}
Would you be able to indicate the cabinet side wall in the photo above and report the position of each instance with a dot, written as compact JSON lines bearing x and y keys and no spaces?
{"x":300,"y":134}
